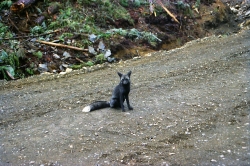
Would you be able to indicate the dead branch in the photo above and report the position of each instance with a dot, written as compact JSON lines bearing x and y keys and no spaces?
{"x":12,"y":23}
{"x":169,"y":13}
{"x":62,"y":45}
{"x":21,"y":4}
{"x":79,"y":60}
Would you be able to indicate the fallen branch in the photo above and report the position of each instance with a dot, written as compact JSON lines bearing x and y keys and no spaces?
{"x":79,"y":60}
{"x":62,"y":45}
{"x":12,"y":23}
{"x":21,"y":4}
{"x":169,"y":13}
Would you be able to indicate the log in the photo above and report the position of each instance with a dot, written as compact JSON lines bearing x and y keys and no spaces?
{"x":20,"y":5}
{"x":40,"y":20}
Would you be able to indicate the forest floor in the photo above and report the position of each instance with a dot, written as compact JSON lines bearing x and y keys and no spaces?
{"x":191,"y":107}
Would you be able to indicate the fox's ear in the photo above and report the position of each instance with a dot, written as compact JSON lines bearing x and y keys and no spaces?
{"x":120,"y":74}
{"x":129,"y":73}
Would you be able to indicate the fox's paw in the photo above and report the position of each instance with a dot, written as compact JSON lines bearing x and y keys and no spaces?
{"x":130,"y":108}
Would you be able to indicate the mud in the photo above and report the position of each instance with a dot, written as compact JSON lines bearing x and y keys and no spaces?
{"x":191,"y":107}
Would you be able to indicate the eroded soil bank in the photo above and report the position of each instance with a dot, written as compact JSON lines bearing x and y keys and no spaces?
{"x":191,"y":107}
{"x":66,"y":35}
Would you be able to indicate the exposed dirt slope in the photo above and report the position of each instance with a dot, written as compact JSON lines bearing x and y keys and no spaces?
{"x":191,"y":106}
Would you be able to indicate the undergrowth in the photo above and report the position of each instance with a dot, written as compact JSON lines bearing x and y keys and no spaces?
{"x":84,"y":17}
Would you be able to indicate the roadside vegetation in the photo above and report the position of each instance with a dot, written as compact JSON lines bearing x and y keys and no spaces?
{"x":43,"y":36}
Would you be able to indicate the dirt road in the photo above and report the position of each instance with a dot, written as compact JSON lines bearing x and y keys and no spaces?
{"x":191,"y":107}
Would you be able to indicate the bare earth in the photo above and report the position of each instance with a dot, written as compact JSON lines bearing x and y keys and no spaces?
{"x":191,"y":107}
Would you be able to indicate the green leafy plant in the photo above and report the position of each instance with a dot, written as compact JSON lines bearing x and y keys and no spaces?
{"x":65,"y":35}
{"x":3,"y":31}
{"x":112,"y":12}
{"x":5,"y":69}
{"x":124,"y":3}
{"x":38,"y":54}
{"x":74,"y":20}
{"x":63,"y":19}
{"x":135,"y":34}
{"x":30,"y":71}
{"x":53,"y":25}
{"x":86,"y":2}
{"x":89,"y":63}
{"x":137,"y":3}
{"x":5,"y":3}
{"x":76,"y":67}
{"x":100,"y":58}
{"x":197,"y":3}
{"x":9,"y":59}
{"x":8,"y":64}
{"x":185,"y":7}
{"x":37,"y":29}
{"x":3,"y":56}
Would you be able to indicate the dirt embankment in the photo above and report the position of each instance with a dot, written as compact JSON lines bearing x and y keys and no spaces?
{"x":124,"y":30}
{"x":191,"y":106}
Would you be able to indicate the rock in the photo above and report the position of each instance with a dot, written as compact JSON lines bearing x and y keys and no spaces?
{"x":65,"y":65}
{"x":33,"y":39}
{"x":56,"y":56}
{"x":101,"y":46}
{"x":164,"y":164}
{"x":234,"y":10}
{"x":66,"y":55}
{"x":68,"y":41}
{"x":92,"y":50}
{"x":111,"y":59}
{"x":42,"y":68}
{"x":136,"y":58}
{"x":46,"y":73}
{"x":92,"y":38}
{"x":68,"y":70}
{"x":107,"y":53}
{"x":62,"y":73}
{"x":32,"y":162}
{"x":213,"y":160}
{"x":247,"y":14}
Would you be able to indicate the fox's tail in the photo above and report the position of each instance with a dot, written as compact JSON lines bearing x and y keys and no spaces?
{"x":96,"y":105}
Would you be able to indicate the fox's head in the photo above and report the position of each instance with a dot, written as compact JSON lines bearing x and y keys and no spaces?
{"x":125,"y":78}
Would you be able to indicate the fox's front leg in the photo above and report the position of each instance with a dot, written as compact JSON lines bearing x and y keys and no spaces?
{"x":127,"y":100}
{"x":121,"y":102}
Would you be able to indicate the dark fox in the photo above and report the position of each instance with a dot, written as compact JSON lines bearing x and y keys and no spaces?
{"x":119,"y":95}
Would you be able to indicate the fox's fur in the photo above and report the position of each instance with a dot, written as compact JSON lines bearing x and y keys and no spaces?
{"x":119,"y":95}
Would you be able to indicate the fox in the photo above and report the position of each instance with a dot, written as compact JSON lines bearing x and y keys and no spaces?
{"x":119,"y":95}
